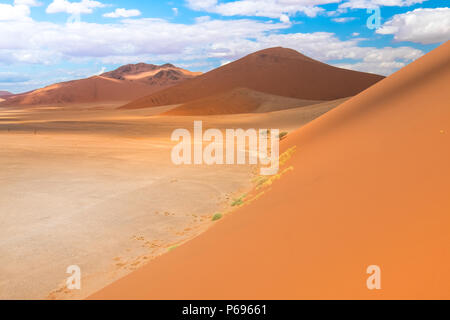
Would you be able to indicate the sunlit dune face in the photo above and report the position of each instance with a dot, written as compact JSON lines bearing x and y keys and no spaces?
{"x":49,"y":88}
{"x":109,"y":79}
{"x":190,"y":73}
{"x":147,"y":74}
{"x":142,"y":75}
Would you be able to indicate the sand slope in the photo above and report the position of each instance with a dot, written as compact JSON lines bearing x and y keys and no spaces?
{"x":277,"y":71}
{"x":239,"y":100}
{"x":370,"y":185}
{"x":149,"y":72}
{"x":123,"y":84}
{"x":5,"y":93}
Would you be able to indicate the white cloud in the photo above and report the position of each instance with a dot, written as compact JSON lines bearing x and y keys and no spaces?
{"x":284,"y":18}
{"x":82,"y":7}
{"x":384,"y":68}
{"x":175,"y":11}
{"x":16,"y":12}
{"x":280,"y":9}
{"x":20,"y":10}
{"x":365,"y":4}
{"x":343,"y":19}
{"x":123,"y":13}
{"x":134,"y":40}
{"x":261,"y":8}
{"x":45,"y":42}
{"x":421,"y":25}
{"x":202,"y":5}
{"x":29,"y":3}
{"x":102,"y":70}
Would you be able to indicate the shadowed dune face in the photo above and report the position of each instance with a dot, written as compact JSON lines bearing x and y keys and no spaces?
{"x":121,"y":85}
{"x":240,"y":100}
{"x":369,"y":186}
{"x":5,"y":93}
{"x":276,"y":71}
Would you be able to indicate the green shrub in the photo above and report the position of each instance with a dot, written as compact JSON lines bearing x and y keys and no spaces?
{"x":238,"y":202}
{"x":217,"y":216}
{"x":282,"y":135}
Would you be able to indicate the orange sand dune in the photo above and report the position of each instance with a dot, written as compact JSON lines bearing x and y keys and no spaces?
{"x":370,"y":186}
{"x":277,"y":71}
{"x":239,"y":100}
{"x":108,"y":87}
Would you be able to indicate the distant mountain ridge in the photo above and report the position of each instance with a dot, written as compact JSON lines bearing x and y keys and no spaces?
{"x":132,"y":69}
{"x":5,"y":93}
{"x":124,"y":84}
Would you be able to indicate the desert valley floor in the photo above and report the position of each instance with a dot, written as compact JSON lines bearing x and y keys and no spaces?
{"x":94,"y":186}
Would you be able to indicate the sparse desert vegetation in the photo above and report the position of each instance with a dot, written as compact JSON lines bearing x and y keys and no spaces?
{"x":282,"y":135}
{"x":239,"y":201}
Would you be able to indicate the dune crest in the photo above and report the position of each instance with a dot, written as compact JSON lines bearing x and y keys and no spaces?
{"x":368,"y":186}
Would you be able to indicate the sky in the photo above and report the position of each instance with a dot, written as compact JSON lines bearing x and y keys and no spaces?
{"x":48,"y":41}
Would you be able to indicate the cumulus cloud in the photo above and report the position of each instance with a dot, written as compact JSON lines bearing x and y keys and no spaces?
{"x":421,"y":25}
{"x":384,"y":68}
{"x":285,"y":18}
{"x":278,"y":9}
{"x":133,"y":40}
{"x":101,"y":71}
{"x":47,"y":42}
{"x":365,"y":4}
{"x":343,"y":19}
{"x":82,"y":7}
{"x":123,"y":13}
{"x":29,"y":3}
{"x":20,"y":10}
{"x":202,"y":5}
{"x":10,"y":12}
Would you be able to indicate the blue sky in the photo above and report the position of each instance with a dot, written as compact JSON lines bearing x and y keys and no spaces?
{"x":48,"y":41}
